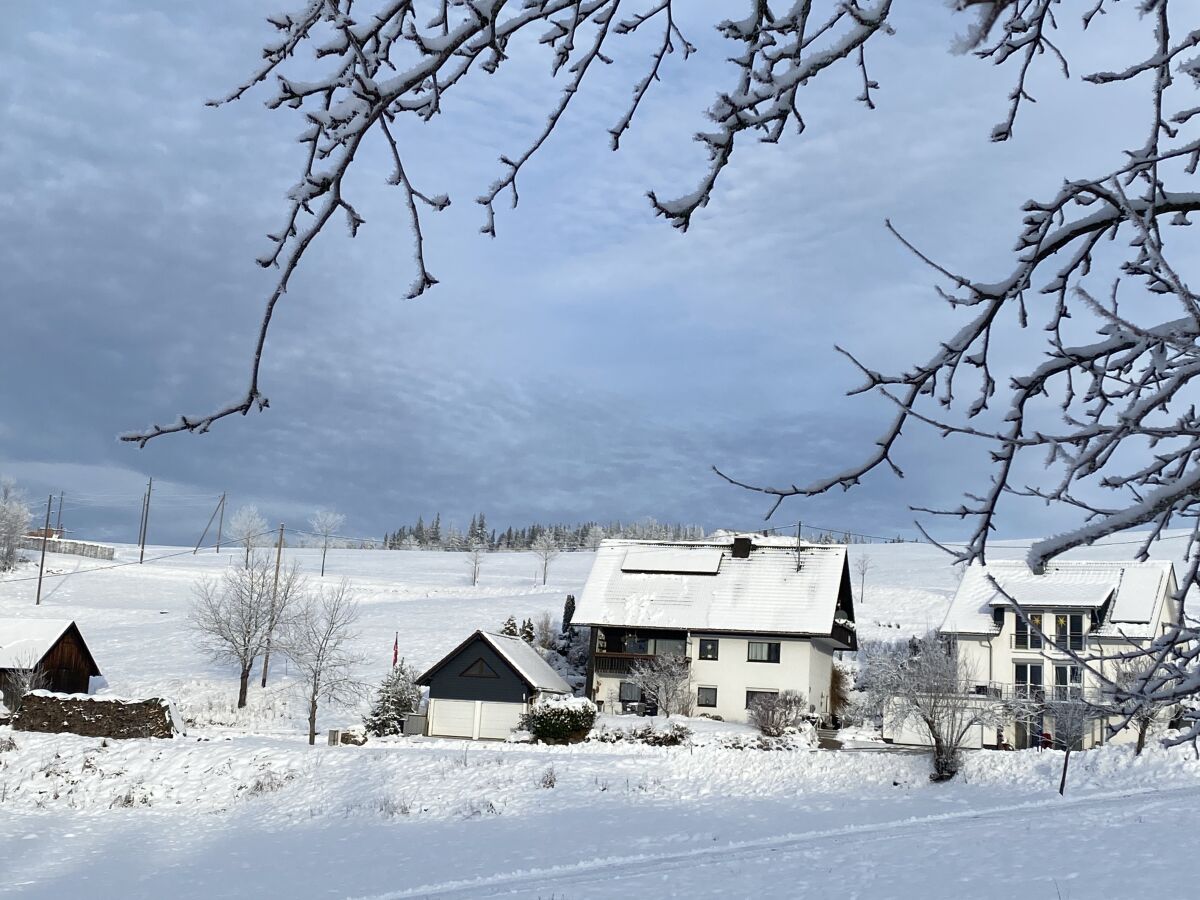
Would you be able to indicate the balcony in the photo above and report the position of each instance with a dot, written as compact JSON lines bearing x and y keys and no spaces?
{"x":620,"y":663}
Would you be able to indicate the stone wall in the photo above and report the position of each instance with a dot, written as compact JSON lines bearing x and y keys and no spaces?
{"x":50,"y":713}
{"x":74,"y":548}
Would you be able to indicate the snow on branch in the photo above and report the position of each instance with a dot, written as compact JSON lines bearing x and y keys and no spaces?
{"x":382,"y":68}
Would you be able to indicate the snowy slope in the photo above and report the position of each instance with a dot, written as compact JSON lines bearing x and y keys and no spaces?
{"x":243,"y":806}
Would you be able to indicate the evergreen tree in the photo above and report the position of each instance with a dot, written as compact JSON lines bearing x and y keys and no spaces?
{"x":398,"y":695}
{"x":435,"y":532}
{"x":510,"y":627}
{"x":568,"y":613}
{"x":527,"y":633}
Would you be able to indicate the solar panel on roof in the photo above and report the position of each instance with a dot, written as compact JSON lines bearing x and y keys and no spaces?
{"x":672,"y":562}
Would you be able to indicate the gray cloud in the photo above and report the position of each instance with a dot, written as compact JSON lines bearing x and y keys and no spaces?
{"x":588,"y":363}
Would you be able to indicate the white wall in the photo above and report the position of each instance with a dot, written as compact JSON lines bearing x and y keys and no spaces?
{"x":803,"y":666}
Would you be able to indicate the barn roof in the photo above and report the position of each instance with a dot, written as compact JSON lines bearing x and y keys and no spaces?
{"x":523,"y":659}
{"x":781,"y":587}
{"x":25,"y":642}
{"x":1137,"y":592}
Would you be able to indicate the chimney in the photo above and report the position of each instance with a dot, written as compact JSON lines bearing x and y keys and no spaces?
{"x":742,"y":548}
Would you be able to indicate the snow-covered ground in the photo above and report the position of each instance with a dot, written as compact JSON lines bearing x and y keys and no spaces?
{"x":243,"y":807}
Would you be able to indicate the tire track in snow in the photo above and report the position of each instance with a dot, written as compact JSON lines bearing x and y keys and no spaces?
{"x":611,"y":869}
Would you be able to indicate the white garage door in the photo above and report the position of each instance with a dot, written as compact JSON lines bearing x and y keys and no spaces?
{"x":452,"y":718}
{"x":497,"y":720}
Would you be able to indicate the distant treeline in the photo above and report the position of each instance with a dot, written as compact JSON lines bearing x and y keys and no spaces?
{"x":585,"y":536}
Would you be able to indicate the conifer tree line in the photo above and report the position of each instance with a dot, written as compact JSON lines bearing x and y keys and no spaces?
{"x":434,"y":535}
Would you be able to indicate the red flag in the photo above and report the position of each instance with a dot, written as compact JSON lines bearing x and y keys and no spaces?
{"x":396,"y":650}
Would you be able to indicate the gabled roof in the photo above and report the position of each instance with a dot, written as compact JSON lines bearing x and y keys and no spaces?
{"x":524,"y":660}
{"x":25,"y":642}
{"x":1137,"y":592}
{"x":782,"y":587}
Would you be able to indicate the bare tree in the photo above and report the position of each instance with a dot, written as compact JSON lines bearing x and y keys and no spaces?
{"x":325,"y":524}
{"x":236,"y":615}
{"x":545,"y":631}
{"x":475,"y":555}
{"x":593,"y":537}
{"x":862,"y":566}
{"x":667,"y":682}
{"x":1073,"y":717}
{"x":774,"y":714}
{"x":1135,"y":709}
{"x":248,"y":528}
{"x":545,"y":548}
{"x":14,"y":522}
{"x":25,"y":675}
{"x":285,"y":587}
{"x":927,"y":682}
{"x":319,"y":639}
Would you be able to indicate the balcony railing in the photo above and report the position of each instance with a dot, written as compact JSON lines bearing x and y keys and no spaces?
{"x":1038,"y":693}
{"x":1060,"y":642}
{"x":620,"y":663}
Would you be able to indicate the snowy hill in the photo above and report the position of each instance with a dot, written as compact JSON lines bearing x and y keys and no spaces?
{"x":243,"y":806}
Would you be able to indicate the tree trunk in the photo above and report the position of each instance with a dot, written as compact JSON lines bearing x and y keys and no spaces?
{"x":243,"y":686}
{"x":312,"y":720}
{"x":1143,"y":728}
{"x":1062,"y":785}
{"x":266,"y":662}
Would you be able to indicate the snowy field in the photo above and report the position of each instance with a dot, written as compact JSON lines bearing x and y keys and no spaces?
{"x":242,"y":806}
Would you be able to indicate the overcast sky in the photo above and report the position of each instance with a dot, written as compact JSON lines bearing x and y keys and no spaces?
{"x":589,"y":363}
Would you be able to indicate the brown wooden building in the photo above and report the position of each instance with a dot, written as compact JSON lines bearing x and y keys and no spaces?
{"x":53,"y":648}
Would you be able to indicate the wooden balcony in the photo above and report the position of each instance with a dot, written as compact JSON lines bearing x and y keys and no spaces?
{"x":619,"y":663}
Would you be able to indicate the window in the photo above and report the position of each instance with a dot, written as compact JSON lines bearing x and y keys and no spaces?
{"x":706,"y":696}
{"x":1028,"y":638}
{"x":1068,"y":683}
{"x":1028,"y":679}
{"x":1068,"y":631}
{"x":479,"y":669}
{"x":762,"y":651}
{"x":751,"y":696}
{"x":630,"y":692}
{"x":708,"y":648}
{"x":668,"y":647}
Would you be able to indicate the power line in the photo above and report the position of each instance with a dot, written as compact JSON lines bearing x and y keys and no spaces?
{"x":152,"y":559}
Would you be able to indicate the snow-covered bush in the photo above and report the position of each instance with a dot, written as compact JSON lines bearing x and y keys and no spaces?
{"x":672,"y":736}
{"x":398,"y":695}
{"x":14,"y":521}
{"x":565,"y":720}
{"x":774,"y":714}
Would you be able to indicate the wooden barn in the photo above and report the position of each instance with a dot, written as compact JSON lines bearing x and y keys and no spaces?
{"x":53,"y":648}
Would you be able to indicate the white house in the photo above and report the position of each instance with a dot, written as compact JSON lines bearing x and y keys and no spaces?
{"x":752,"y":615}
{"x":1097,"y":609}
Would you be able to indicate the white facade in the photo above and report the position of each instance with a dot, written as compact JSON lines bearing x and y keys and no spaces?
{"x":772,"y":612}
{"x":804,"y":665}
{"x":1096,"y":609}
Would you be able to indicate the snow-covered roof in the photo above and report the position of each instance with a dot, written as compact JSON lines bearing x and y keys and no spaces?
{"x":1137,"y":591}
{"x":23,"y":642}
{"x":528,"y":663}
{"x":523,"y":658}
{"x":702,"y":586}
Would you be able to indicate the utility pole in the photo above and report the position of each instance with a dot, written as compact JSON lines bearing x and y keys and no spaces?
{"x":145,"y":521}
{"x":58,"y":525}
{"x":45,"y":538}
{"x":798,"y":542}
{"x":216,"y":509}
{"x":221,"y":522}
{"x":141,"y":519}
{"x":274,"y":607}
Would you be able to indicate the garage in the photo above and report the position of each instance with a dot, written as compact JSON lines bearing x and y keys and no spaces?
{"x":482,"y":687}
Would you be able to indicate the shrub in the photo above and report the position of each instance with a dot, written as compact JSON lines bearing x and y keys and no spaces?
{"x":672,"y":736}
{"x":776,"y":713}
{"x":560,"y":721}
